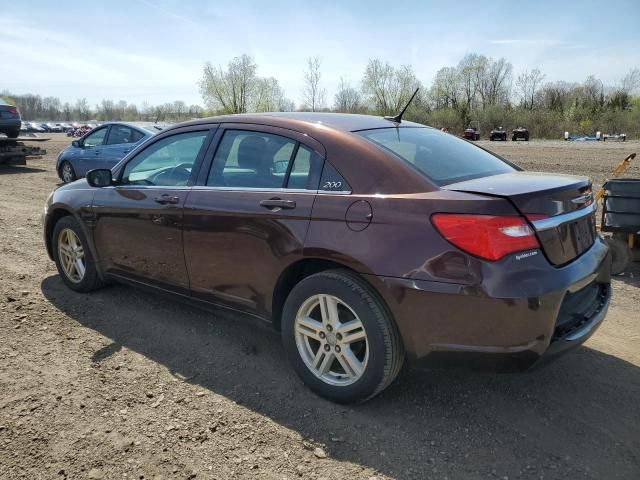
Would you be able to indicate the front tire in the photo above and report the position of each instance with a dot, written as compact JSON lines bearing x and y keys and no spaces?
{"x":67,"y":173}
{"x":73,"y":258}
{"x":340,"y":337}
{"x":621,"y":254}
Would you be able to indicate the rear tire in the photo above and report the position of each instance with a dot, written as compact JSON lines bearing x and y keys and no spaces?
{"x":322,"y":346}
{"x":621,"y":254}
{"x":13,"y":134}
{"x":73,"y":257}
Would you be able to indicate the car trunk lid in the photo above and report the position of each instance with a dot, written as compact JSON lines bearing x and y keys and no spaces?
{"x":559,"y":207}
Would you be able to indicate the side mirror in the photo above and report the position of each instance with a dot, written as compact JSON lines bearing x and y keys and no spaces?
{"x":100,"y":177}
{"x":75,"y":143}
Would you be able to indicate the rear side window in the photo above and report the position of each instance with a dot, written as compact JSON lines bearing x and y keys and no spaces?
{"x":120,"y":134}
{"x":251,"y":159}
{"x":441,"y":157}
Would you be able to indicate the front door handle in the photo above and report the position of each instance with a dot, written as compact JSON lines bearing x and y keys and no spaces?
{"x":277,"y":203}
{"x":167,"y":199}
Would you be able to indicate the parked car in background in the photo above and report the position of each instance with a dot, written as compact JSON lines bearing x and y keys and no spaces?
{"x":499,"y":134}
{"x":10,"y":122}
{"x":54,"y":127}
{"x":519,"y":133}
{"x":35,"y":127}
{"x":472,"y":132}
{"x":364,"y":241}
{"x":102,"y":147}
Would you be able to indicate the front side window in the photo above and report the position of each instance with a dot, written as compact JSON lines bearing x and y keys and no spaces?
{"x":168,"y":162}
{"x":120,"y":134}
{"x":96,"y":138}
{"x":252,"y":160}
{"x":441,"y":157}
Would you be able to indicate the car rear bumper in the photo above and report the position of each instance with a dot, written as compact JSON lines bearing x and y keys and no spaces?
{"x":529,"y":322}
{"x":10,"y":124}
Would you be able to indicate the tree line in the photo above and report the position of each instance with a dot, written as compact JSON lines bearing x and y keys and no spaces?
{"x":478,"y":89}
{"x":37,"y":108}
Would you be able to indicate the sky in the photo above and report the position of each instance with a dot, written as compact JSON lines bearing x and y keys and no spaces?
{"x":155,"y":50}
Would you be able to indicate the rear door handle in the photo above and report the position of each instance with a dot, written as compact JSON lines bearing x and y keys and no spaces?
{"x":167,"y":199}
{"x":278,"y":203}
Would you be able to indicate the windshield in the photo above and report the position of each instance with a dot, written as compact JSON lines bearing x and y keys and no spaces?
{"x":441,"y":157}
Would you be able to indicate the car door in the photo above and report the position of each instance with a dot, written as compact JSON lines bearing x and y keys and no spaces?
{"x":90,"y":153}
{"x":120,"y":141}
{"x":248,"y":215}
{"x":138,"y":221}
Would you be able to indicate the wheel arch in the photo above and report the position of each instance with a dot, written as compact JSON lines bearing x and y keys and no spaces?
{"x":292,"y":275}
{"x":51,"y":220}
{"x":53,"y":216}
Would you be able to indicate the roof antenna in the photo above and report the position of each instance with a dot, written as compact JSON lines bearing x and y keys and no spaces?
{"x":398,"y":117}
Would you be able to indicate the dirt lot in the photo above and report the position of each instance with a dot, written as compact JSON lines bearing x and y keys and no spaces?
{"x":125,"y":384}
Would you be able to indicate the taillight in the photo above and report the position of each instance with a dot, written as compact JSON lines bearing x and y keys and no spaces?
{"x":486,"y":236}
{"x":12,"y":110}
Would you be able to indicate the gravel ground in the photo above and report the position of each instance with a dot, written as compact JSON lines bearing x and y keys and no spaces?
{"x":126,"y":384}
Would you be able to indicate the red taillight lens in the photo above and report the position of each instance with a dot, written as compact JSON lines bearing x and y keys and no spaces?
{"x":12,"y":110}
{"x":486,"y":236}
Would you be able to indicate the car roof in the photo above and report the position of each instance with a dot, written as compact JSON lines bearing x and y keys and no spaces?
{"x":346,"y":122}
{"x":147,"y":127}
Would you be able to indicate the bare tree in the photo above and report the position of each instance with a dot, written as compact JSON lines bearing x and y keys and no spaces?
{"x":496,"y":82}
{"x":314,"y":95}
{"x":557,"y":96}
{"x":444,"y":91}
{"x":229,"y":90}
{"x":528,"y":84}
{"x":631,"y":82}
{"x":268,"y":96}
{"x":386,"y":88}
{"x":347,"y":98}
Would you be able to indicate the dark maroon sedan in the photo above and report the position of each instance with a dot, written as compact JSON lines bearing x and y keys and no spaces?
{"x":364,"y":241}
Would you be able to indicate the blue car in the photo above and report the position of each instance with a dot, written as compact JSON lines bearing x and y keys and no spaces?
{"x":102,"y":147}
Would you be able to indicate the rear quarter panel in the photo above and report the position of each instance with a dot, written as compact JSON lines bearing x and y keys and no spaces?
{"x":400,"y":240}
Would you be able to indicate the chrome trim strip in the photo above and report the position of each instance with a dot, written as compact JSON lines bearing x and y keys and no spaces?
{"x":130,"y":186}
{"x":556,"y":221}
{"x":277,"y":190}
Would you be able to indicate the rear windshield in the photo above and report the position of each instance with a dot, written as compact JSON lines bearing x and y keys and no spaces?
{"x":441,"y":157}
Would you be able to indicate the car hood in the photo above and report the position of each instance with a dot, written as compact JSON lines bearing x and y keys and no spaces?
{"x":80,"y":184}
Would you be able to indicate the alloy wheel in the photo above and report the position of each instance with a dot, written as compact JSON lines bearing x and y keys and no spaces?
{"x":67,"y":173}
{"x":71,"y":255}
{"x":331,"y":340}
